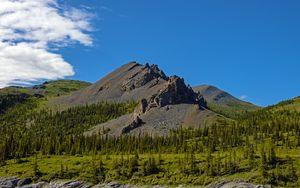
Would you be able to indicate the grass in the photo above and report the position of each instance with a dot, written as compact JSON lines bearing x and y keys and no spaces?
{"x":292,"y":104}
{"x":233,"y":109}
{"x":170,"y":173}
{"x":48,"y":89}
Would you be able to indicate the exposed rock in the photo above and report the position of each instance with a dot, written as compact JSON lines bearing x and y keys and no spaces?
{"x":172,"y":92}
{"x":114,"y":185}
{"x":235,"y":184}
{"x":23,"y":182}
{"x":135,"y":124}
{"x":175,"y":92}
{"x":141,"y":78}
{"x":68,"y":184}
{"x":8,"y":182}
{"x":133,"y":81}
{"x":16,"y":183}
{"x":37,"y":185}
{"x":141,"y":108}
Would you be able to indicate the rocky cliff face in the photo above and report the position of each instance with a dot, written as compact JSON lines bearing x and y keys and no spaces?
{"x":175,"y":92}
{"x":146,"y":75}
{"x":171,"y":93}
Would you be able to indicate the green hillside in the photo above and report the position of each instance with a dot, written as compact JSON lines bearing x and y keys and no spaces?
{"x":50,"y":88}
{"x":292,"y":104}
{"x":14,"y":95}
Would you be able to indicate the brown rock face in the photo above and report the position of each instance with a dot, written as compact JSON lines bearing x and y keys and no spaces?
{"x":175,"y":92}
{"x":141,"y":78}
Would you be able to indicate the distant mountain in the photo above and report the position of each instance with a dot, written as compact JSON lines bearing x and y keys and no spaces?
{"x":223,"y":102}
{"x":49,"y":88}
{"x":11,"y":96}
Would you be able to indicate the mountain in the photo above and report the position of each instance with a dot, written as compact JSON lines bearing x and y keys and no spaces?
{"x":131,"y":81}
{"x":164,"y":102}
{"x":223,"y":102}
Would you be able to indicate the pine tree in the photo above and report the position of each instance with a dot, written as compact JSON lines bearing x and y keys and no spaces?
{"x":272,"y":158}
{"x":263,"y":164}
{"x":251,"y":157}
{"x":62,"y":172}
{"x":36,"y":170}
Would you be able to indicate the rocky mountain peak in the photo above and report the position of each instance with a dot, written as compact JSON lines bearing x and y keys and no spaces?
{"x":134,"y":81}
{"x":148,"y":73}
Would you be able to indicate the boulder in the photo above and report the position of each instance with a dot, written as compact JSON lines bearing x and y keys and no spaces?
{"x":9,"y":182}
{"x":137,"y":122}
{"x":23,"y":182}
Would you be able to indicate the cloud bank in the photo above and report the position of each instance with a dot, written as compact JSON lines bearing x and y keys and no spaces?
{"x":30,"y":31}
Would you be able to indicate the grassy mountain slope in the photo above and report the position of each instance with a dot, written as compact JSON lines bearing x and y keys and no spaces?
{"x":50,"y":88}
{"x":224,"y":103}
{"x":14,"y":95}
{"x":291,"y":104}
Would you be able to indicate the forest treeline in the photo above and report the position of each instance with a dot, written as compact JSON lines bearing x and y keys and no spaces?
{"x":254,"y":140}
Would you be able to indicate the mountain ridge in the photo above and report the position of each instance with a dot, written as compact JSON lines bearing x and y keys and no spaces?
{"x":224,"y":103}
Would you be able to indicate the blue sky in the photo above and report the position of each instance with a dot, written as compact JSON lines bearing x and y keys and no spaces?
{"x":249,"y":48}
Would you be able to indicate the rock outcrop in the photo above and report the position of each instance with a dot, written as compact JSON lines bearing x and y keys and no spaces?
{"x":173,"y":92}
{"x":236,"y":184}
{"x":145,"y":75}
{"x":25,"y":183}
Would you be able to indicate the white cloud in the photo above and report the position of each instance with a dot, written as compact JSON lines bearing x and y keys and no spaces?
{"x":243,"y":97}
{"x":28,"y":31}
